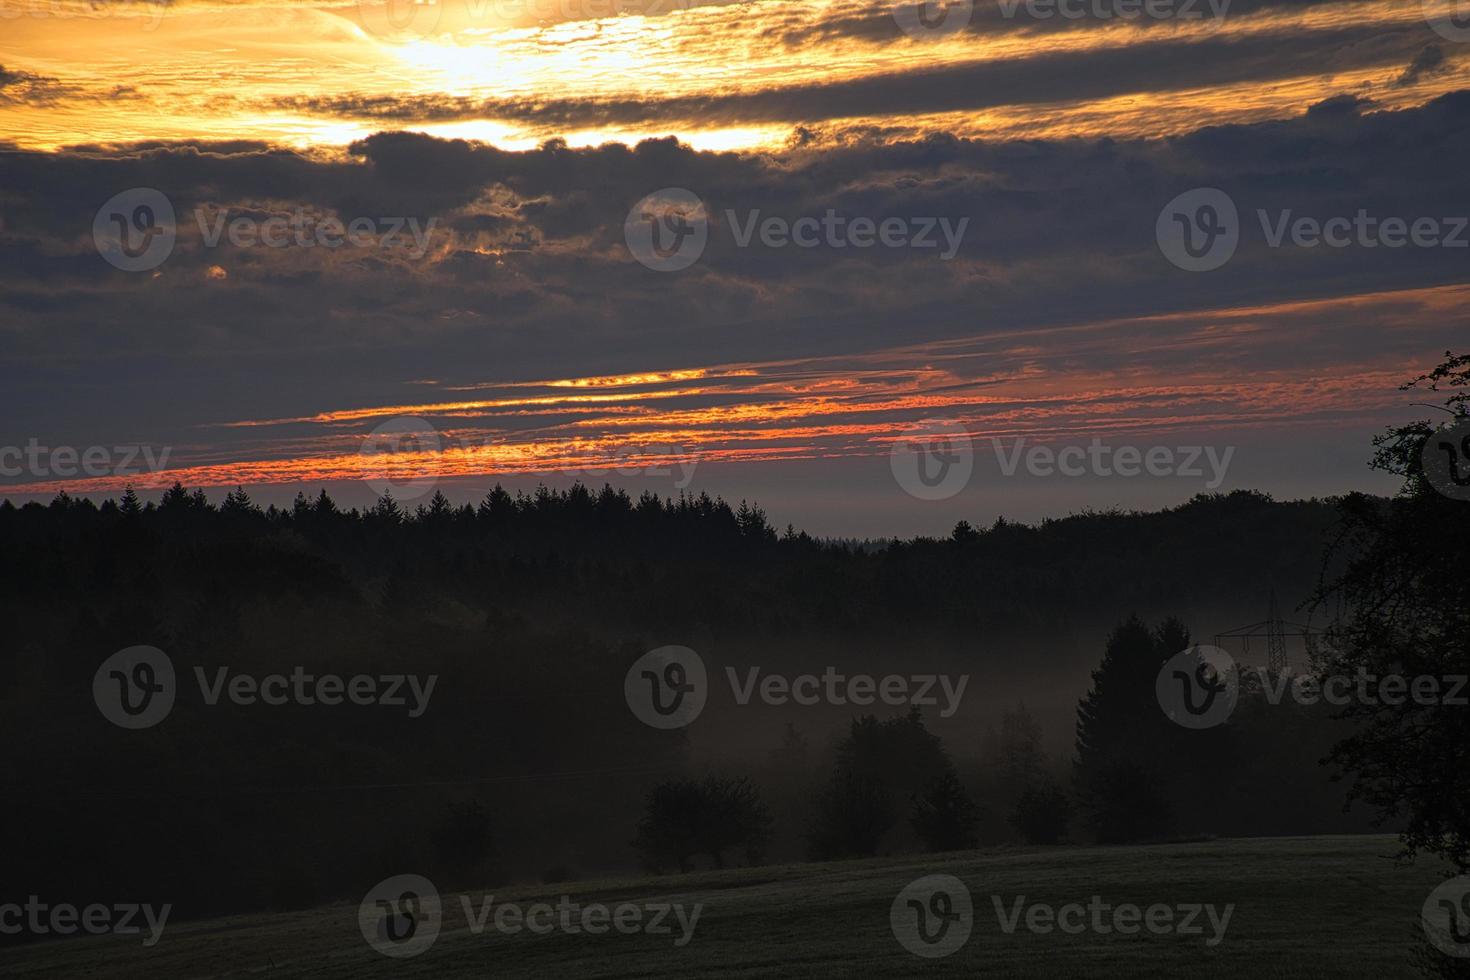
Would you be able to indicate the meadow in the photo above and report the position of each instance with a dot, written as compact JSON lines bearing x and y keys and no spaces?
{"x":1336,"y":906}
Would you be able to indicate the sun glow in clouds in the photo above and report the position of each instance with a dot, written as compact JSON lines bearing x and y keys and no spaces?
{"x":844,"y":406}
{"x":720,"y":76}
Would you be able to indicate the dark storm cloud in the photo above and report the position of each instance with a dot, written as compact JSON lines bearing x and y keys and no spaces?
{"x":992,"y":18}
{"x":529,"y":276}
{"x":1429,"y":61}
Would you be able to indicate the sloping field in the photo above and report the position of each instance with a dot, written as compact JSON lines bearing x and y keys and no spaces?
{"x":1299,"y":907}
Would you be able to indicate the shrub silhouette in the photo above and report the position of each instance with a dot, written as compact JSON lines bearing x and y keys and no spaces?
{"x":945,"y":817}
{"x":685,"y":818}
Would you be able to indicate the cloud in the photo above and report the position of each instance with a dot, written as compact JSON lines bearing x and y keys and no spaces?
{"x":1430,"y":61}
{"x":1057,"y":77}
{"x":529,"y":278}
{"x":29,"y":88}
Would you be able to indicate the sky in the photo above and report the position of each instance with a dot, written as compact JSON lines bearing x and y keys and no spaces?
{"x":764,"y":250}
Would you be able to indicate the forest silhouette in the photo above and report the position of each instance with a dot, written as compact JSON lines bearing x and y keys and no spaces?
{"x":529,"y":766}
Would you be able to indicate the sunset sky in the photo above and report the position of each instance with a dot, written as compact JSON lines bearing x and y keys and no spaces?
{"x":518,"y":134}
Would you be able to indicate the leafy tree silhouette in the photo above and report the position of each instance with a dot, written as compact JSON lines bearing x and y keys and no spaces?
{"x":1397,"y":571}
{"x":1042,"y":813}
{"x":880,"y":769}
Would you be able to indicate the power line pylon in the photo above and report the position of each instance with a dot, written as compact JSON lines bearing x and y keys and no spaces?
{"x":1275,"y":631}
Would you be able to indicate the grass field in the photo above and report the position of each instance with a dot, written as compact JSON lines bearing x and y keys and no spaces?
{"x":1304,"y":907}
